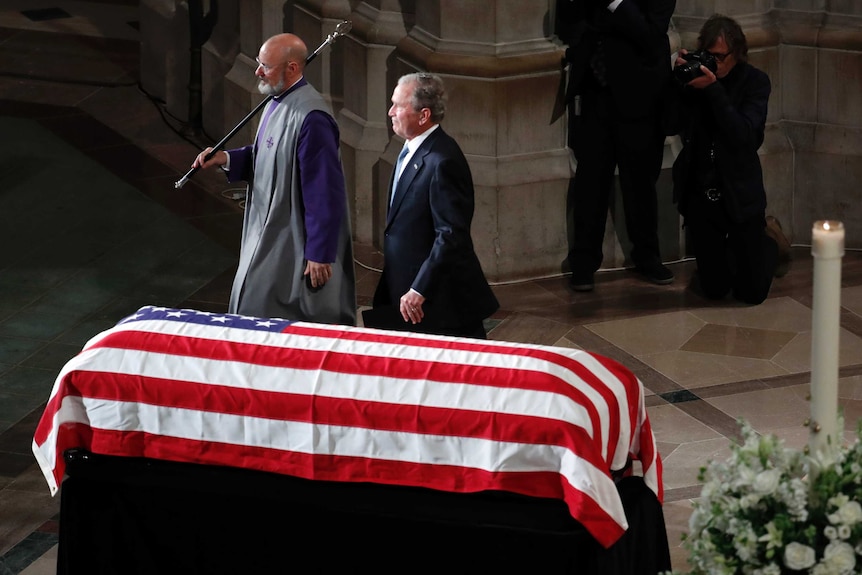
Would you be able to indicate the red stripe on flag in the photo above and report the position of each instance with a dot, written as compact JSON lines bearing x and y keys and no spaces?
{"x":405,"y":369}
{"x":349,"y":412}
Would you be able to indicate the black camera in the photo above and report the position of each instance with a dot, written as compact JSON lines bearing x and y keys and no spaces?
{"x":690,"y":69}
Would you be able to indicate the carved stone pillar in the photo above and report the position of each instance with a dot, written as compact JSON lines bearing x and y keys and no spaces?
{"x":165,"y":53}
{"x":217,"y":57}
{"x":314,"y":21}
{"x":501,"y":70}
{"x":258,"y":20}
{"x":378,"y":25}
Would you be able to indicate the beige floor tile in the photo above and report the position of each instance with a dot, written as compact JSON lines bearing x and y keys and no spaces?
{"x":566,"y":342}
{"x":768,"y":410}
{"x":682,"y":465}
{"x":526,"y":328}
{"x":673,"y":426}
{"x":781,"y":314}
{"x":850,"y":387}
{"x":693,"y":370}
{"x":676,"y":517}
{"x":44,"y":565}
{"x":795,"y":357}
{"x":21,"y":512}
{"x":738,"y":341}
{"x":650,"y":334}
{"x":851,"y":298}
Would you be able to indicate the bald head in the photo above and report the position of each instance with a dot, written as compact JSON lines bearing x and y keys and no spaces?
{"x":287,"y":47}
{"x":281,"y":61}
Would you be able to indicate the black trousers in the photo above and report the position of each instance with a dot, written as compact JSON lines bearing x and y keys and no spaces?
{"x":601,"y":141}
{"x":735,"y":257}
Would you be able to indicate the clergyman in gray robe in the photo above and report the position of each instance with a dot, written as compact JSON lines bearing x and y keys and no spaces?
{"x":296,"y":257}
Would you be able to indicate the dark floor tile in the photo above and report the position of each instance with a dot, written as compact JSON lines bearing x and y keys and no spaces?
{"x":14,"y":296}
{"x":119,"y":309}
{"x":712,"y":417}
{"x":82,"y":294}
{"x":18,"y":439}
{"x":726,"y":389}
{"x":130,"y":163}
{"x":36,"y":277}
{"x":15,"y":406}
{"x":217,"y":290}
{"x":26,"y":552}
{"x":44,"y":14}
{"x":69,"y":59}
{"x":32,"y":381}
{"x":190,"y":201}
{"x":83,"y":131}
{"x":679,"y":396}
{"x":34,"y":325}
{"x":52,"y":356}
{"x":26,"y":109}
{"x":15,"y":350}
{"x":82,"y":332}
{"x":14,"y":464}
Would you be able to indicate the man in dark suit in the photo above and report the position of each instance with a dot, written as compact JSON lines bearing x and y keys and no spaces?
{"x":619,"y":58}
{"x":432,"y":280}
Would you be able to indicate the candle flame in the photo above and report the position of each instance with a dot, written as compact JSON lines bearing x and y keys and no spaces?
{"x":826,"y":226}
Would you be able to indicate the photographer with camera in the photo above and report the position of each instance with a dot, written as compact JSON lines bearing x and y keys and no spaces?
{"x":718,"y":180}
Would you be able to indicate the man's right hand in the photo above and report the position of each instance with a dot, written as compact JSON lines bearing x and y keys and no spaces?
{"x":218,"y":159}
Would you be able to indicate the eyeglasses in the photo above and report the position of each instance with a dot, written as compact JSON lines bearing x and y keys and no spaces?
{"x":719,"y":57}
{"x":266,"y":67}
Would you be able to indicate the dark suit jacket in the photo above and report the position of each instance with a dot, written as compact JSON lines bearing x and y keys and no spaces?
{"x":732,"y":114}
{"x":636,"y":50}
{"x":427,"y":244}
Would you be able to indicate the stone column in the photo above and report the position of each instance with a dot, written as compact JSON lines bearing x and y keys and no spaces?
{"x":258,"y":20}
{"x":217,"y":57}
{"x":314,"y":21}
{"x":501,"y":69}
{"x":378,"y":25}
{"x":165,"y":53}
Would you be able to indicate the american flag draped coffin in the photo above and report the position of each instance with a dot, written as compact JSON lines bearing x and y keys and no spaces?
{"x":337,"y":403}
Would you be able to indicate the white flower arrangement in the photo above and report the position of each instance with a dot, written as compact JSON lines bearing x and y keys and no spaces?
{"x":772,"y":510}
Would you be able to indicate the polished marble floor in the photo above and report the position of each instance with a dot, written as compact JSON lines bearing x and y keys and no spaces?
{"x":92,"y":228}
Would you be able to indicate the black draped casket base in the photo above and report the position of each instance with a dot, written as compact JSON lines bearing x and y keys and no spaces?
{"x":122,"y":515}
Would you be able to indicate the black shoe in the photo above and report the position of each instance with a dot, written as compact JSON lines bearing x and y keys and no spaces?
{"x":582,"y":282}
{"x":774,"y":231}
{"x":656,"y":273}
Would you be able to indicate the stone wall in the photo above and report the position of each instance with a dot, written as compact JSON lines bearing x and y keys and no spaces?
{"x":501,"y":66}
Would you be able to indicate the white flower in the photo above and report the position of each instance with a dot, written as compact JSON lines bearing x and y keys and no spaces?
{"x":766,"y":482}
{"x":734,"y":527}
{"x":849,"y":513}
{"x":772,"y":537}
{"x":840,"y":557}
{"x":798,"y":556}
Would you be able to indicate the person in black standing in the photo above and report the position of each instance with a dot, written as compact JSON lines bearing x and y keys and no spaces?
{"x":718,"y":180}
{"x":619,"y":57}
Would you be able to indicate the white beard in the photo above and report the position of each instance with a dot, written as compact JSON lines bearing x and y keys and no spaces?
{"x":268,"y":90}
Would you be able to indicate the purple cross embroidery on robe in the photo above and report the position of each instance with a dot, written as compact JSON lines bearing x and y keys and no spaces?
{"x":269,"y":142}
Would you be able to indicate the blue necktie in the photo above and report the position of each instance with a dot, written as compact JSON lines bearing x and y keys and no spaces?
{"x":397,"y":174}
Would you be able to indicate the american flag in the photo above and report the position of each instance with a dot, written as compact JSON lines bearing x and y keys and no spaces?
{"x":353,"y":404}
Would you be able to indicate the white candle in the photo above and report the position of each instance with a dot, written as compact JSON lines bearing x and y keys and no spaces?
{"x":827,"y":247}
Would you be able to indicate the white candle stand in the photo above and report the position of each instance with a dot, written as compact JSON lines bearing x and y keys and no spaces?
{"x":827,"y":247}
